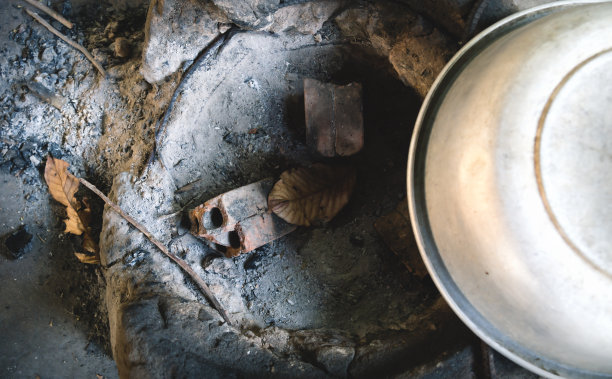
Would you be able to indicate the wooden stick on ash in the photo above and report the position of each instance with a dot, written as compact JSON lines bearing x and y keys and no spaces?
{"x":184,"y":265}
{"x":50,"y":12}
{"x":67,"y":40}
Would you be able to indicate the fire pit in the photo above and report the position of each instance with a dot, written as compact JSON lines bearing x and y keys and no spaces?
{"x":327,"y":300}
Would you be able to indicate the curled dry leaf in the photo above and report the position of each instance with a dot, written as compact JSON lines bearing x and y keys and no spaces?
{"x":86,"y":258}
{"x":62,"y":186}
{"x":88,"y":242}
{"x":303,"y":196}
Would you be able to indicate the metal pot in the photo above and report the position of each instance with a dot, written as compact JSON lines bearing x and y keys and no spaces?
{"x":510,"y":187}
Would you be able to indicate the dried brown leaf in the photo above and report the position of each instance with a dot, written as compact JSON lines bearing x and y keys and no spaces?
{"x":62,"y":186}
{"x":73,"y":223}
{"x":88,"y":259}
{"x":85,"y":216}
{"x":303,"y":196}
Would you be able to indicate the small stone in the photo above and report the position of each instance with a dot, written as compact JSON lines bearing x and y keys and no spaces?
{"x":205,"y":315}
{"x":35,"y":160}
{"x":47,"y":55}
{"x":28,"y":148}
{"x":20,"y":34}
{"x":336,"y":359}
{"x":223,"y":27}
{"x":253,"y":261}
{"x":17,"y":243}
{"x":135,"y":258}
{"x":115,"y":72}
{"x":100,"y":55}
{"x":122,"y":47}
{"x":19,"y":162}
{"x":111,"y":29}
{"x":252,"y":83}
{"x":54,"y":149}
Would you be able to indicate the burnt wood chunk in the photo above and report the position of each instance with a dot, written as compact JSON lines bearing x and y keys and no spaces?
{"x":334,"y":118}
{"x":396,"y":230}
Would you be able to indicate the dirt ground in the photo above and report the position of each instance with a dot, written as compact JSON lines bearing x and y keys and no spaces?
{"x":52,"y":321}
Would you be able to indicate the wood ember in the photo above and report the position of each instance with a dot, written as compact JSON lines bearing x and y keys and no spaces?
{"x":396,"y":231}
{"x":334,"y":119}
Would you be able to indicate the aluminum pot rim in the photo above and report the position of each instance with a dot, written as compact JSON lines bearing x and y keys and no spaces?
{"x":418,"y":214}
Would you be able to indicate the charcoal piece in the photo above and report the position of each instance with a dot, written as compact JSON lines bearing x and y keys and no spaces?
{"x":17,"y":242}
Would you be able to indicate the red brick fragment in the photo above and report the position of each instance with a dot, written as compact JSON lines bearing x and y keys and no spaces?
{"x":239,"y":221}
{"x":334,"y":117}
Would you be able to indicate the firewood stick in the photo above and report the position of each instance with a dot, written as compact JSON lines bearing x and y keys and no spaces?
{"x":67,"y":40}
{"x":184,"y":265}
{"x":50,"y":12}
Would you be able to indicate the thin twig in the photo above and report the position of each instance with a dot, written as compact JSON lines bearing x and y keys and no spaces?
{"x":188,"y":186}
{"x":67,"y":40}
{"x":174,"y":214}
{"x":203,"y":286}
{"x":170,"y":215}
{"x":50,"y":12}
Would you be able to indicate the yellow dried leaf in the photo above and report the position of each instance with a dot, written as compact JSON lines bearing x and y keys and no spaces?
{"x":89,"y":244}
{"x":85,"y":216}
{"x":303,"y":196}
{"x":89,"y":259}
{"x":73,"y":223}
{"x":62,"y":186}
